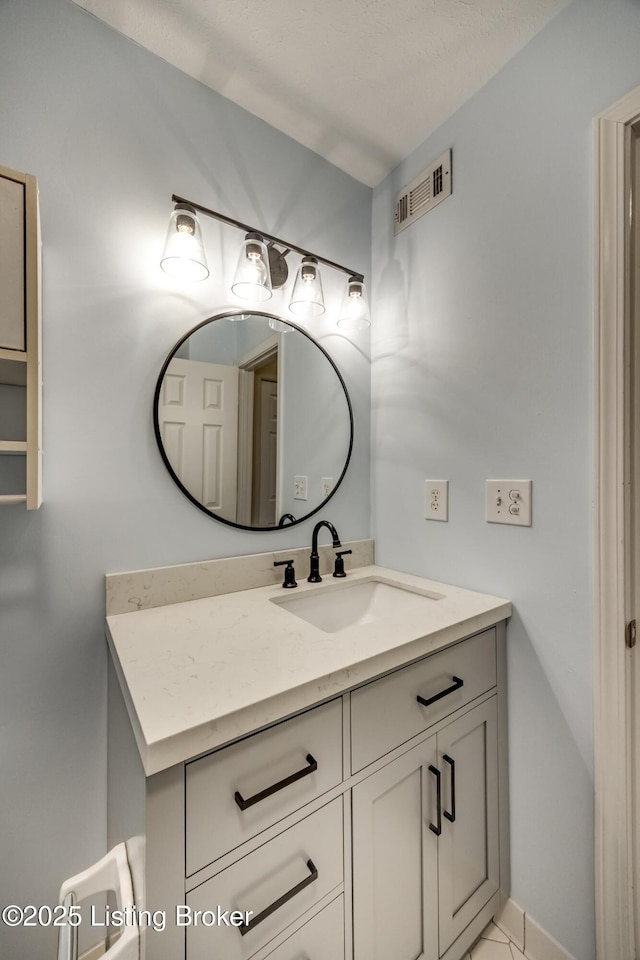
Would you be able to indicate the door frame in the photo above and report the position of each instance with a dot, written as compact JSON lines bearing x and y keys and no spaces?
{"x":615,"y":933}
{"x":247,"y":364}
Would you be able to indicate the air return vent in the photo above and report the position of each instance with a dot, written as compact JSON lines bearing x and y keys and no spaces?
{"x":423,"y":193}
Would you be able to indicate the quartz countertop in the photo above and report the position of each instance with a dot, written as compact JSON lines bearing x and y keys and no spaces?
{"x":202,"y":673}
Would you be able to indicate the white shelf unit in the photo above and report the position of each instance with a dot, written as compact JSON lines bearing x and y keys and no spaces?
{"x":20,"y":330}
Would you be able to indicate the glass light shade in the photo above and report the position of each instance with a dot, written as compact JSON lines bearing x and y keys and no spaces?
{"x":252,"y":280}
{"x":183,"y":255}
{"x":354,"y":312}
{"x":307,"y":299}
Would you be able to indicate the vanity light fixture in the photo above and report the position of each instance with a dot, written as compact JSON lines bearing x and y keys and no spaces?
{"x":252,"y":280}
{"x":183,"y":255}
{"x":307,"y":299}
{"x":262,"y":266}
{"x":354,"y":312}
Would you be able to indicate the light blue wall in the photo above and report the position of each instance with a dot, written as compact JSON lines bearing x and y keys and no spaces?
{"x":314,"y":422}
{"x":483,"y":368}
{"x":111,"y":132}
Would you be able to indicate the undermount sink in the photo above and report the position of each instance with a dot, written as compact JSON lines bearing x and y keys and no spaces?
{"x":356,"y":603}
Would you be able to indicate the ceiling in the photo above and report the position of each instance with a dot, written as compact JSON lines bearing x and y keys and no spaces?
{"x":360,"y":82}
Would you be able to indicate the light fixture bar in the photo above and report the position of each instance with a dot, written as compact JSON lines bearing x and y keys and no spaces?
{"x":267,"y":236}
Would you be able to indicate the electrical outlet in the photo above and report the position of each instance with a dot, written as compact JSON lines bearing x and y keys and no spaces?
{"x":328,"y":483}
{"x":300,"y":488}
{"x":436,"y":499}
{"x":508,"y":501}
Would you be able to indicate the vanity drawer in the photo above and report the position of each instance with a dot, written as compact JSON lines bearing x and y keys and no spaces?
{"x":321,"y":938}
{"x":278,"y":882}
{"x":386,"y":713}
{"x":237,"y":792}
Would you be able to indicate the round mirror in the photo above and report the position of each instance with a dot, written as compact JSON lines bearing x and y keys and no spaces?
{"x":253,"y":420}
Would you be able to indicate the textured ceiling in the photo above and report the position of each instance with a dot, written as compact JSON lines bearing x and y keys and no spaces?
{"x":361,"y":82}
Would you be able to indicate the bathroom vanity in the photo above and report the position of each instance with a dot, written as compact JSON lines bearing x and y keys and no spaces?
{"x":315,"y":773}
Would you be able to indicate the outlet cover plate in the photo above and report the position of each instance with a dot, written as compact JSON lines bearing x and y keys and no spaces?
{"x":327,"y":483}
{"x":508,"y":501}
{"x":436,"y":500}
{"x":300,"y":488}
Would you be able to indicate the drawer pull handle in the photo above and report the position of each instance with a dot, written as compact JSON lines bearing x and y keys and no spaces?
{"x":313,"y":875}
{"x":437,"y":830}
{"x":257,"y":797}
{"x":457,"y":683}
{"x":451,"y":817}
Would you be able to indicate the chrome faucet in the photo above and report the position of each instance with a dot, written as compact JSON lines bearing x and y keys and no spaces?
{"x":314,"y":573}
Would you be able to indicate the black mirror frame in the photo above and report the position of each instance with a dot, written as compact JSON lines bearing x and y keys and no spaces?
{"x":173,"y":474}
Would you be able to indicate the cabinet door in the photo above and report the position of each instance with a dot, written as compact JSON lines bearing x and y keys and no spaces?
{"x":468,"y":853}
{"x":395,"y":860}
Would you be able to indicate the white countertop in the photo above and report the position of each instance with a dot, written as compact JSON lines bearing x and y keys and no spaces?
{"x":199,"y":674}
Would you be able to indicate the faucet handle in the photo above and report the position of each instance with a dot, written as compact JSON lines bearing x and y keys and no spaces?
{"x":339,"y":570}
{"x":289,"y":573}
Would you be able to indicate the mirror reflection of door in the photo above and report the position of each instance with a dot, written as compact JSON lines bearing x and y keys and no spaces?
{"x":265,"y":450}
{"x":258,"y":438}
{"x":198,"y":418}
{"x":292,"y":418}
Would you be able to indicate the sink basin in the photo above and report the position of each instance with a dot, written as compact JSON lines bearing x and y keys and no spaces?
{"x":357,"y":603}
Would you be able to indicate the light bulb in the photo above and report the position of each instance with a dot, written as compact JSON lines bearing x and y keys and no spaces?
{"x":252,"y":280}
{"x":307,"y":299}
{"x":354,"y":313}
{"x":183,"y":255}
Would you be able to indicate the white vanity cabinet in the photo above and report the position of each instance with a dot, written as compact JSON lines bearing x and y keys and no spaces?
{"x":373,"y":826}
{"x":426,"y":847}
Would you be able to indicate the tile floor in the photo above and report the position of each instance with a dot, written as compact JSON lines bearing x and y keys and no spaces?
{"x":494,"y":945}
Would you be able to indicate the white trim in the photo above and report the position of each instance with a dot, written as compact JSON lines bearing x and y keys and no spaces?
{"x":260,"y":354}
{"x":613,"y":873}
{"x":510,"y":920}
{"x":540,"y":945}
{"x":245,"y":445}
{"x":527,"y":935}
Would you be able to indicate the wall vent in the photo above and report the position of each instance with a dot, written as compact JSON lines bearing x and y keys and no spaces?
{"x":424,"y":193}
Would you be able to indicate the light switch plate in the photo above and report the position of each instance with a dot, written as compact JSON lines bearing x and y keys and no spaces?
{"x":508,"y":501}
{"x":436,"y":499}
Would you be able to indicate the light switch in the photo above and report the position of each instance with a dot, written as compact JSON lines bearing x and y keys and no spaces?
{"x":508,"y":501}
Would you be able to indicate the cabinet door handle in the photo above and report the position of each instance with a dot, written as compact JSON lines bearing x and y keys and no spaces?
{"x":280,"y":785}
{"x":457,"y":683}
{"x":313,"y":875}
{"x":437,"y":830}
{"x":451,"y":816}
